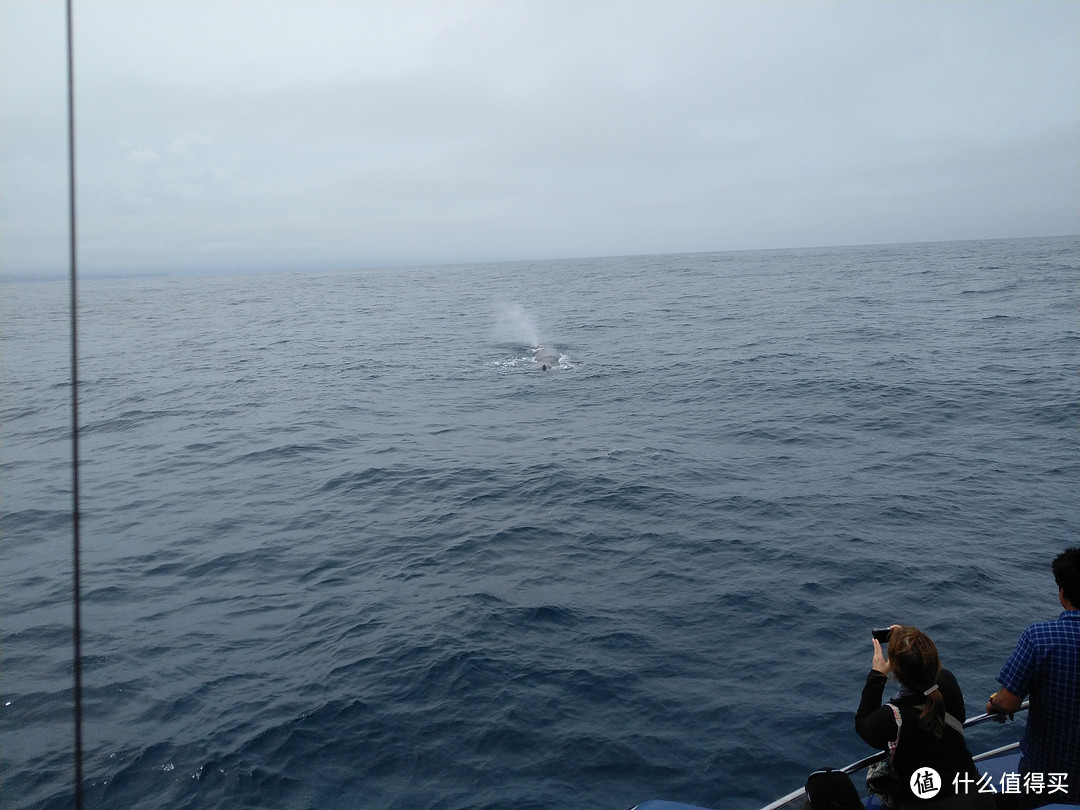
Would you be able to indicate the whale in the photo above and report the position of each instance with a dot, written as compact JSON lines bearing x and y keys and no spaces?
{"x":546,"y":357}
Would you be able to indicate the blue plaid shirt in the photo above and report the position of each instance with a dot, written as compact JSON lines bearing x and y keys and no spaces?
{"x":1046,"y":666}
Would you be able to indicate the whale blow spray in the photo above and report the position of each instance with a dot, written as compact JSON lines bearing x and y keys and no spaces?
{"x":515,"y":324}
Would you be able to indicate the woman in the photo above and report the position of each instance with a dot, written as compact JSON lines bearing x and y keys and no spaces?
{"x":922,"y":727}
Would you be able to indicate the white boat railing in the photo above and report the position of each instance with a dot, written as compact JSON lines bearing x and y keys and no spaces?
{"x":866,"y":762}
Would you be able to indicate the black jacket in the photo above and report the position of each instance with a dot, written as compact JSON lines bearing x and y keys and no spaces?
{"x":918,"y":748}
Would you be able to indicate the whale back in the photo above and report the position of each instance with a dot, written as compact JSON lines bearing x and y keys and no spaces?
{"x":546,"y":356}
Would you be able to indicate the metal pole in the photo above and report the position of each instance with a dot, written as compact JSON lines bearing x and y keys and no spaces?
{"x":76,"y":540}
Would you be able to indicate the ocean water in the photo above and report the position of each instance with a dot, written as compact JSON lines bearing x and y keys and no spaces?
{"x":346,"y":546}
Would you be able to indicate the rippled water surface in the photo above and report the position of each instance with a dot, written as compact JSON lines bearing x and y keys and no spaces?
{"x":346,"y":545}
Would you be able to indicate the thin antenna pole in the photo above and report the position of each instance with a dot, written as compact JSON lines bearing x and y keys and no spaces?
{"x":73,"y":307}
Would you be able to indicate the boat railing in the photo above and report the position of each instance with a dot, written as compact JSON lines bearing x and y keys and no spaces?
{"x":866,"y":762}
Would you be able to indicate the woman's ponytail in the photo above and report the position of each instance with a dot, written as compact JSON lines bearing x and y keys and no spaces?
{"x":932,"y":717}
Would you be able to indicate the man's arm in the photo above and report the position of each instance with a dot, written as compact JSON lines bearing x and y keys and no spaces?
{"x":1015,"y":678}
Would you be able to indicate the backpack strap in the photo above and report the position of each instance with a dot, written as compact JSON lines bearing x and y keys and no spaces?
{"x":950,"y":721}
{"x":954,"y":724}
{"x":899,"y":722}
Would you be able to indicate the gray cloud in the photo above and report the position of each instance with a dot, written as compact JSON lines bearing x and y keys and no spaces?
{"x":224,"y":136}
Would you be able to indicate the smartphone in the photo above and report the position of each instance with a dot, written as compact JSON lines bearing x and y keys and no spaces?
{"x":882,"y":634}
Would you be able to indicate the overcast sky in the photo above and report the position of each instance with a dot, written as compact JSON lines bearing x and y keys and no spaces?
{"x":226,"y":136}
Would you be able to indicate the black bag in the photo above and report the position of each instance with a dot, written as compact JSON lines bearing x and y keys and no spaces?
{"x":832,"y":790}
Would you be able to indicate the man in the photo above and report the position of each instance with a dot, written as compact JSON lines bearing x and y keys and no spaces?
{"x":1046,"y":666}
